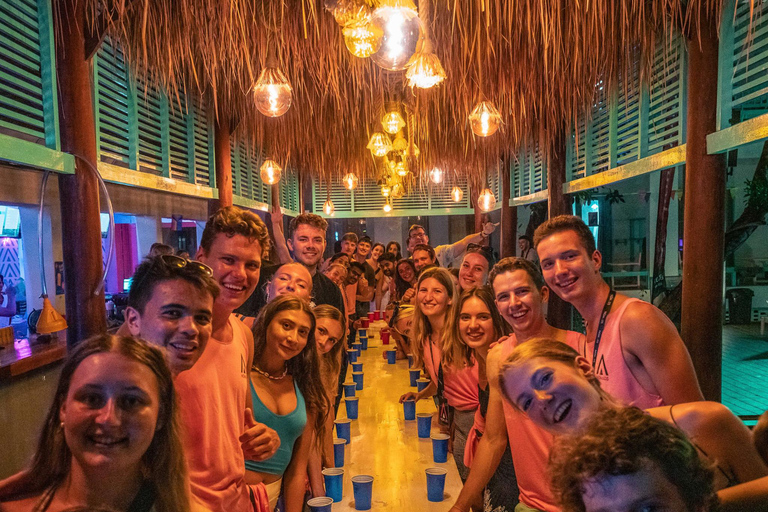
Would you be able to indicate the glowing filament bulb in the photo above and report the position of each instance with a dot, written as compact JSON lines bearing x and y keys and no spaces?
{"x":485,"y":119}
{"x":328,"y":207}
{"x":436,"y":175}
{"x":270,"y":172}
{"x":487,"y":200}
{"x":387,"y":207}
{"x":386,"y":190}
{"x":273,"y":93}
{"x":350,"y":181}
{"x":457,"y":194}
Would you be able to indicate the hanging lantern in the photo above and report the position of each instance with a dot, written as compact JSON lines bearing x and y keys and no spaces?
{"x":393,"y":122}
{"x":436,"y":175}
{"x":387,"y":207}
{"x":401,"y":169}
{"x":386,"y":190}
{"x":425,"y":70}
{"x":401,"y":33}
{"x":273,"y":92}
{"x":457,"y":194}
{"x":484,"y":119}
{"x":350,"y":181}
{"x":346,"y":12}
{"x":399,"y":144}
{"x":328,"y":207}
{"x":397,"y":191}
{"x":486,"y":201}
{"x":270,"y":172}
{"x":362,"y":37}
{"x":380,"y":144}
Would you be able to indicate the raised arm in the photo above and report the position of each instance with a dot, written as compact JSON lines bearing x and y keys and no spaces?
{"x":653,"y":347}
{"x":281,"y":247}
{"x":452,"y":251}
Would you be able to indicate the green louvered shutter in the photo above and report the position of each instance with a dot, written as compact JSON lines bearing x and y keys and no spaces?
{"x":115,"y":107}
{"x":667,"y":95}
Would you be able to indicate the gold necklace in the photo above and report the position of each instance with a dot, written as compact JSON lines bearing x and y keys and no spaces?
{"x":267,"y":375}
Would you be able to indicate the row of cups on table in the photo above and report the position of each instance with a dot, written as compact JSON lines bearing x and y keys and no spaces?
{"x":362,"y":488}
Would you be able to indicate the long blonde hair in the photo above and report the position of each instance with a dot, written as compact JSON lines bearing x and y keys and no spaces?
{"x":330,"y":362}
{"x":422,"y":329}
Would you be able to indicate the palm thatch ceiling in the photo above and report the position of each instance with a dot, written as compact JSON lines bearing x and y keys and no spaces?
{"x":537,"y":60}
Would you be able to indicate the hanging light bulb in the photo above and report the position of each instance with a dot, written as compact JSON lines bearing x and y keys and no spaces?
{"x":270,"y":172}
{"x":486,"y":201}
{"x":273,"y":92}
{"x":348,"y":11}
{"x":457,"y":194}
{"x":397,"y":191}
{"x":401,"y":169}
{"x":350,"y":181}
{"x":393,"y":122}
{"x":362,"y":37}
{"x":328,"y":207}
{"x":400,"y":144}
{"x":386,"y":190}
{"x":387,"y":207}
{"x":436,"y":175}
{"x":484,"y":119}
{"x":380,"y":144}
{"x":401,"y":29}
{"x":425,"y":70}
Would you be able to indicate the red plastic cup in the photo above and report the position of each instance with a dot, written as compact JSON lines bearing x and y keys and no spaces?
{"x":371,"y":316}
{"x":385,"y":336}
{"x":364,"y":322}
{"x":376,"y":315}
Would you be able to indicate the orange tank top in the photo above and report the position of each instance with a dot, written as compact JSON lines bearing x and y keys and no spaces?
{"x":212,"y":398}
{"x":530,"y":444}
{"x":611,"y":368}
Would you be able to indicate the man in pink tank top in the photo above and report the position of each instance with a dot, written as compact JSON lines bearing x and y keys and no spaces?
{"x":521,"y":297}
{"x":640,"y":358}
{"x":217,"y":424}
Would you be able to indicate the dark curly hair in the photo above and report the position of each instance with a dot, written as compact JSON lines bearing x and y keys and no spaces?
{"x":622,"y":442}
{"x":232,"y":221}
{"x":305,"y":367}
{"x":511,"y":264}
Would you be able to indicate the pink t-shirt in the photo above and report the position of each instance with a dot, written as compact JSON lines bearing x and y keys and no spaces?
{"x":212,"y":399}
{"x":530,"y":444}
{"x":611,"y":368}
{"x":460,"y":387}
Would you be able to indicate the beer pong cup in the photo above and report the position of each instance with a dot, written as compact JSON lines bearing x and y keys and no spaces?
{"x":440,"y":447}
{"x":410,"y":360}
{"x":391,"y":356}
{"x":362,"y":487}
{"x":342,"y":430}
{"x":377,"y":315}
{"x":338,"y":452}
{"x":352,"y":356}
{"x":435,"y":483}
{"x":349,"y":389}
{"x":371,"y":316}
{"x":362,"y":333}
{"x":358,"y":378}
{"x":334,"y":483}
{"x":409,"y":409}
{"x":424,"y":424}
{"x":320,"y":504}
{"x":385,"y":336}
{"x":357,"y":367}
{"x":414,"y":374}
{"x":364,"y":342}
{"x":357,"y":346}
{"x":364,"y":323}
{"x":351,"y":404}
{"x":421,"y":384}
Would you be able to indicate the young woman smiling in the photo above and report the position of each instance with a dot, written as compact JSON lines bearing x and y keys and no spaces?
{"x":110,"y":439}
{"x":286,"y":397}
{"x":557,"y":389}
{"x":476,"y":326}
{"x":454,"y":377}
{"x":405,"y":281}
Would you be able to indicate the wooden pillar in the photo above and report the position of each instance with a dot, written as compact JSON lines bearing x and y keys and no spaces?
{"x":508,"y":214}
{"x":704,"y":224}
{"x":78,"y":193}
{"x":558,"y":311}
{"x":479,"y":214}
{"x":223,"y":161}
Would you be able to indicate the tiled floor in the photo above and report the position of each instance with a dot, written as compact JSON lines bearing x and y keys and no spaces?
{"x":745,"y":369}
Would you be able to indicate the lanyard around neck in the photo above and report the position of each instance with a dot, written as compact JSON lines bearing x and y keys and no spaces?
{"x":601,"y":325}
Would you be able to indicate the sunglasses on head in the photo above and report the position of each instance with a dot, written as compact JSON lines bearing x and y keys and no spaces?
{"x":485,"y":250}
{"x":178,"y":262}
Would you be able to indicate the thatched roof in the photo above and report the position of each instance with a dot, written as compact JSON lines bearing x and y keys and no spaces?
{"x":537,"y":60}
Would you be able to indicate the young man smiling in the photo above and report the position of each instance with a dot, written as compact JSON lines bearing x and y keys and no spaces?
{"x":446,"y":254}
{"x":215,"y":403}
{"x":636,"y":352}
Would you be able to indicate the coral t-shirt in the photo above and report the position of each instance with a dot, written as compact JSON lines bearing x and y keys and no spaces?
{"x":460,"y":386}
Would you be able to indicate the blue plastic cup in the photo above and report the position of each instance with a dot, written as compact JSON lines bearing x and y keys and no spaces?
{"x":343,"y":430}
{"x":364,"y":342}
{"x":349,"y":389}
{"x":358,"y":378}
{"x":352,"y":356}
{"x":357,"y":346}
{"x":357,"y":367}
{"x":391,"y":356}
{"x":338,"y":452}
{"x":440,"y":447}
{"x":409,"y":409}
{"x":410,"y":360}
{"x":363,"y":333}
{"x":435,"y":483}
{"x":362,"y":488}
{"x":414,"y":374}
{"x":424,"y":420}
{"x":334,"y":483}
{"x":351,"y":404}
{"x":320,"y":504}
{"x":422,"y":383}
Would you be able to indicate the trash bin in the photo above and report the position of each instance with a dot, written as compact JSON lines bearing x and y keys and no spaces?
{"x":739,"y":305}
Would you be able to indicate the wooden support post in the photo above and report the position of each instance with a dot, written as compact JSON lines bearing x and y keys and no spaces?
{"x":78,"y":193}
{"x":704,"y":218}
{"x":223,"y":158}
{"x":508,"y":214}
{"x":558,"y":311}
{"x":479,"y":214}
